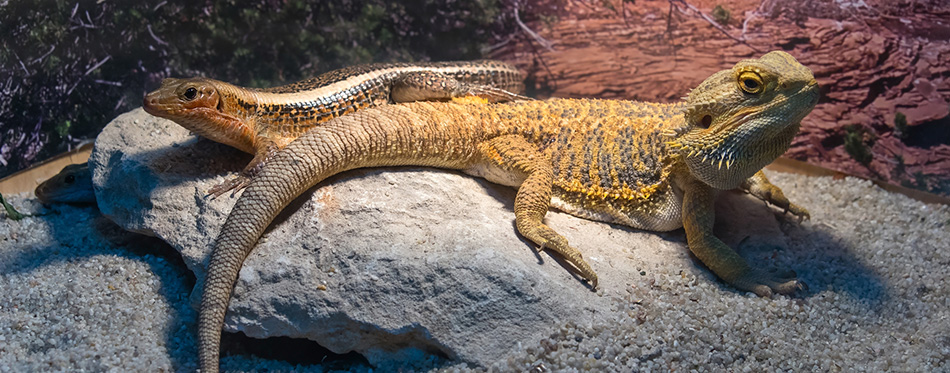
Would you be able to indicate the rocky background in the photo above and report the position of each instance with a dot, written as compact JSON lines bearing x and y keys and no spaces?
{"x":68,"y":67}
{"x":883,"y":67}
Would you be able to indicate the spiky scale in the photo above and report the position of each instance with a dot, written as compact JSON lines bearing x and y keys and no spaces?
{"x":675,"y":191}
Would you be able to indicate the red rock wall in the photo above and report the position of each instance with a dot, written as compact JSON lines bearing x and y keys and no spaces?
{"x":871,"y":62}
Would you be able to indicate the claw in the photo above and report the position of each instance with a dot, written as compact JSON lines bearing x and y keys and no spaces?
{"x":763,"y":291}
{"x":233,"y":185}
{"x":540,"y":248}
{"x":765,"y":284}
{"x":593,"y":283}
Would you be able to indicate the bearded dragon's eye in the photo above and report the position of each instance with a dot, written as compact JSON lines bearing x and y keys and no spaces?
{"x":750,"y":82}
{"x":190,"y":93}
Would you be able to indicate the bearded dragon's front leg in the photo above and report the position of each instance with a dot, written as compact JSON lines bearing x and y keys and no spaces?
{"x":759,"y":186}
{"x":514,"y":153}
{"x":698,"y":218}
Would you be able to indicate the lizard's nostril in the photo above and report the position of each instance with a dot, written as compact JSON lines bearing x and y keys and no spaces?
{"x":149,"y":102}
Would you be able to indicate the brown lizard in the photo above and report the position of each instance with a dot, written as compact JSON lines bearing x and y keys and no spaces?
{"x":646,"y":165}
{"x":72,"y":185}
{"x":262,"y":121}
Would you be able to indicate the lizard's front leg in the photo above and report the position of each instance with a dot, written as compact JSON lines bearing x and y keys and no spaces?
{"x":515,"y":154}
{"x":243,"y":179}
{"x":759,"y":186}
{"x":698,"y":218}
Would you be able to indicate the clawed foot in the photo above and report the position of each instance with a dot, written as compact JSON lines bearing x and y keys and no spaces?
{"x":798,"y":211}
{"x":234,"y":185}
{"x":764,"y":283}
{"x":777,"y":198}
{"x":558,"y":244}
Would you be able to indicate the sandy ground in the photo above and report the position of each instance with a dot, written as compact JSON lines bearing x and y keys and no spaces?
{"x":77,"y":293}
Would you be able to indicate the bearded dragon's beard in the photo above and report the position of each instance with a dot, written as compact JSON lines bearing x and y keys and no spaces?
{"x":724,"y":161}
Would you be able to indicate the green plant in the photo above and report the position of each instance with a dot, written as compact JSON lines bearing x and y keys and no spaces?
{"x":12,"y":213}
{"x":900,"y":125}
{"x":855,"y":144}
{"x":721,"y":15}
{"x":920,"y":179}
{"x":900,"y":168}
{"x":548,"y":20}
{"x":68,"y":67}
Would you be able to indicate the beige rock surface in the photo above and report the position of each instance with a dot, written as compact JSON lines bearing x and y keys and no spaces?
{"x":392,"y":263}
{"x":877,"y":264}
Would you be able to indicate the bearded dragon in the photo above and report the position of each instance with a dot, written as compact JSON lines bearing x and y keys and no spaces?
{"x":646,"y":165}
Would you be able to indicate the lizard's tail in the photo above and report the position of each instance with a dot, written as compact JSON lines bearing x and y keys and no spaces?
{"x":423,"y":135}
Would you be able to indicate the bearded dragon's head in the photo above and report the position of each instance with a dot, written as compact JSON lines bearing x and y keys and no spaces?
{"x":741,"y":119}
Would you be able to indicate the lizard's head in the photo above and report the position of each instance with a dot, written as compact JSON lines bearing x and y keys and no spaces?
{"x":71,"y":185}
{"x":741,"y":119}
{"x":178,"y":98}
{"x":198,"y":105}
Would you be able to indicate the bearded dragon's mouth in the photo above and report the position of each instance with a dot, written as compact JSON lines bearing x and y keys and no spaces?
{"x":745,"y":140}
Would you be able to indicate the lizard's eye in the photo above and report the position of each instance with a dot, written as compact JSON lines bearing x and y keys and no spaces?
{"x":750,"y":82}
{"x":70,"y":179}
{"x":706,"y":121}
{"x":190,"y":93}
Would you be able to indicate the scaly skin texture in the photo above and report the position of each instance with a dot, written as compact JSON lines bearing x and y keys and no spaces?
{"x":650,"y":166}
{"x":72,"y":185}
{"x":262,"y":121}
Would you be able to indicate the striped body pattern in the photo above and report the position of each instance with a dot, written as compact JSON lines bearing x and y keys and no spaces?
{"x":262,"y":121}
{"x":291,"y":110}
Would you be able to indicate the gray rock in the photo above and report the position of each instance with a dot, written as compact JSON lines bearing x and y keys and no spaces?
{"x":394,"y":263}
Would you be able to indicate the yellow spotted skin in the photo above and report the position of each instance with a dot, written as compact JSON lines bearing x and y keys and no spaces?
{"x":262,"y":121}
{"x":651,"y":166}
